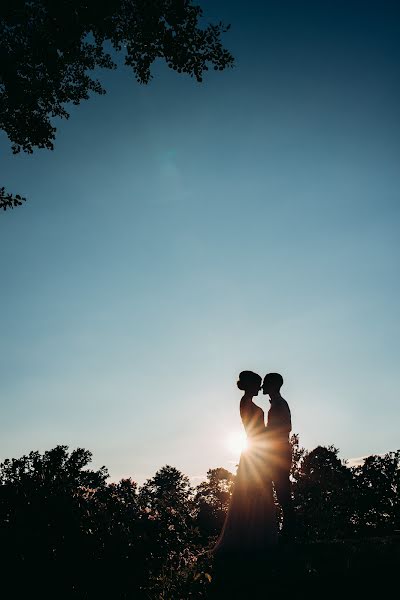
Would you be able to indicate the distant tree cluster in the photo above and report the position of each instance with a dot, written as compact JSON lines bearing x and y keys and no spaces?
{"x":62,"y":522}
{"x":334,"y":501}
{"x":48,"y":50}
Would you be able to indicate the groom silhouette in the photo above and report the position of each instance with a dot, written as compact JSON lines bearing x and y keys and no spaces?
{"x":279,"y":426}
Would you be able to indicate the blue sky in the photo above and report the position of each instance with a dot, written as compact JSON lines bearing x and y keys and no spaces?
{"x":182,"y":232}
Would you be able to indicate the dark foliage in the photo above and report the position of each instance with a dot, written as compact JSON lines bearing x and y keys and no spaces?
{"x":67,"y":529}
{"x":377,"y":495}
{"x":359,"y":568}
{"x":48,"y":49}
{"x":212,"y":501}
{"x":334,"y":501}
{"x":323,"y":495}
{"x":8,"y":200}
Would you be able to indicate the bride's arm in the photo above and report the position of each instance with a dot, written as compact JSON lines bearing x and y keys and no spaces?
{"x":245,"y":411}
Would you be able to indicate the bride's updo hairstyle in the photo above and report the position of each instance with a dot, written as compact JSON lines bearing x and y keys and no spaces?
{"x":249,"y":381}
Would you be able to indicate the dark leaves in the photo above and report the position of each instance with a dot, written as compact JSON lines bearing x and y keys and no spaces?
{"x":8,"y":200}
{"x":99,"y":539}
{"x":48,"y":49}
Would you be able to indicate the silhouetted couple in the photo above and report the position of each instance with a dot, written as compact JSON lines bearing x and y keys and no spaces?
{"x":251,"y":522}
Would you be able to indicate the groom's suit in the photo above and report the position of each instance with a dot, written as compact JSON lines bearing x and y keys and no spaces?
{"x":279,"y":426}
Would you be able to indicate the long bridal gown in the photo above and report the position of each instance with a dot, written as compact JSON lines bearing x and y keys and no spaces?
{"x":251,"y":523}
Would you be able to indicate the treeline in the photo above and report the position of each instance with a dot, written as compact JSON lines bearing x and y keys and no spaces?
{"x":71,"y":533}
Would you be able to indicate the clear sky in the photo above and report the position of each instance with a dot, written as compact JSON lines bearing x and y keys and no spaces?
{"x":182,"y":232}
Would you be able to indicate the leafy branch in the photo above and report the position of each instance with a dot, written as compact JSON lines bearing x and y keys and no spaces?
{"x":8,"y":200}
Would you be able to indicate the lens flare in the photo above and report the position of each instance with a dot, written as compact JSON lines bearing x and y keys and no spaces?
{"x":236,"y":442}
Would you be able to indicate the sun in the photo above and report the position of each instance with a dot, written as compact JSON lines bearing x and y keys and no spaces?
{"x":236,"y":442}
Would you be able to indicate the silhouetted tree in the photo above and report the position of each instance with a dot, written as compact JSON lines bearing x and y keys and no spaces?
{"x":45,"y":508}
{"x":41,"y":497}
{"x":212,"y":499}
{"x":171,"y":540}
{"x":323,"y":495}
{"x":72,"y":534}
{"x":113,"y":522}
{"x":114,"y":519}
{"x":298,"y":455}
{"x":48,"y":49}
{"x":377,"y":483}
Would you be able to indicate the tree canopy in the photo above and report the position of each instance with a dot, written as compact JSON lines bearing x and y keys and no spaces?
{"x":58,"y":515}
{"x":49,"y":50}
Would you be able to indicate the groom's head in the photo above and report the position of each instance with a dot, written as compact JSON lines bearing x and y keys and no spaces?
{"x":272,"y":383}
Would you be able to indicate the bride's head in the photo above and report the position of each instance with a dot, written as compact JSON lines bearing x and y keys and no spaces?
{"x":249,"y":382}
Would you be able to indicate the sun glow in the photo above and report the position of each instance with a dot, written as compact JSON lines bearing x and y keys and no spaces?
{"x":236,"y":442}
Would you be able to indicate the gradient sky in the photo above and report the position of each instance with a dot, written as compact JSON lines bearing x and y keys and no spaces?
{"x":182,"y":232}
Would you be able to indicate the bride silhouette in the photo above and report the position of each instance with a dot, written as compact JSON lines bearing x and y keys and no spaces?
{"x":251,"y":523}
